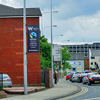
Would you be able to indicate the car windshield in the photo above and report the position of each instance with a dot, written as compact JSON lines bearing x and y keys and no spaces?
{"x":87,"y":71}
{"x":77,"y":72}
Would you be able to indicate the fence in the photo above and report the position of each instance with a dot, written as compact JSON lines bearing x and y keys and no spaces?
{"x":46,"y":77}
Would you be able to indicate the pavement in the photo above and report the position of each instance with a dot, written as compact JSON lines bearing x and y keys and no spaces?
{"x":61,"y":89}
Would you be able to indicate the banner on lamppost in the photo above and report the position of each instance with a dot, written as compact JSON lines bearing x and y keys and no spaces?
{"x":57,"y":53}
{"x":33,"y":38}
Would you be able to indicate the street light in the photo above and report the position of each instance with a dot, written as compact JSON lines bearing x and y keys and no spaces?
{"x":42,"y":18}
{"x":49,"y":26}
{"x":51,"y":46}
{"x":76,"y":55}
{"x":58,"y":35}
{"x":61,"y":61}
{"x":24,"y":49}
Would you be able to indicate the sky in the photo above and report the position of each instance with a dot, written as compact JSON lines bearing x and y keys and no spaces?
{"x":77,"y":20}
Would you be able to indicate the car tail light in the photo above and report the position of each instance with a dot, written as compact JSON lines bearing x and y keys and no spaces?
{"x":80,"y":76}
{"x":8,"y":79}
{"x":91,"y":79}
{"x":96,"y":77}
{"x":86,"y":77}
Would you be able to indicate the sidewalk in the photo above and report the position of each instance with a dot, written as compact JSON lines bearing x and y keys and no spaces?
{"x":61,"y":89}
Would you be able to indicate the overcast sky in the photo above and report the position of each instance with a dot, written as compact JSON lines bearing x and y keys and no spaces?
{"x":76,"y":20}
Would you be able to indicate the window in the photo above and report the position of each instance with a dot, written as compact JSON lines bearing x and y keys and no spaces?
{"x":91,"y":63}
{"x":92,"y":57}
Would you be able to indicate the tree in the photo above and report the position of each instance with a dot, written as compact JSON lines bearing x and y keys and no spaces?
{"x":66,"y":55}
{"x":45,"y":53}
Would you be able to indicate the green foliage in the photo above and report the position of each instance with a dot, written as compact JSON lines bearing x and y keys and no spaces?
{"x":45,"y":53}
{"x":66,"y":55}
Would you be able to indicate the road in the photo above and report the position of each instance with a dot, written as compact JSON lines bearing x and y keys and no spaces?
{"x":87,"y":93}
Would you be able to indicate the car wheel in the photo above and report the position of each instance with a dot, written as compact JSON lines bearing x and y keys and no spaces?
{"x":72,"y":81}
{"x":83,"y":82}
{"x":79,"y":81}
{"x":89,"y":83}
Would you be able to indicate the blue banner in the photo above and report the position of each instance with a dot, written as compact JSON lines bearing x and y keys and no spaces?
{"x":33,"y":38}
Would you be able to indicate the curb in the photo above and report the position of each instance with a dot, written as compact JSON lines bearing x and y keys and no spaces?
{"x":69,"y":94}
{"x":22,"y":92}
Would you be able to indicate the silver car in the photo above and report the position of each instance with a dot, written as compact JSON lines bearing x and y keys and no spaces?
{"x":85,"y":78}
{"x":5,"y":80}
{"x":75,"y":77}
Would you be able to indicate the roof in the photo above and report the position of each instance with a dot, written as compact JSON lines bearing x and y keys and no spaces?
{"x":6,"y":11}
{"x":95,"y":52}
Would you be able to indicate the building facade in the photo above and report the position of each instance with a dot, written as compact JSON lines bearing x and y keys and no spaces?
{"x":94,"y":59}
{"x":11,"y":44}
{"x":83,"y":48}
{"x":77,"y":65}
{"x":81,"y":52}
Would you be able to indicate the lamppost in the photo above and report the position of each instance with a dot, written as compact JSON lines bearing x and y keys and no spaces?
{"x":49,"y":26}
{"x":76,"y":56}
{"x":42,"y":19}
{"x":24,"y":49}
{"x":62,"y":62}
{"x":51,"y":46}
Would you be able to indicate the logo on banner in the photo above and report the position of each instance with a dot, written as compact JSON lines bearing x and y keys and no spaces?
{"x":33,"y":38}
{"x":32,"y":35}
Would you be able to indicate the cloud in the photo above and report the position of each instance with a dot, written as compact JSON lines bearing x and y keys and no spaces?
{"x":79,"y":28}
{"x":12,"y":3}
{"x":77,"y":20}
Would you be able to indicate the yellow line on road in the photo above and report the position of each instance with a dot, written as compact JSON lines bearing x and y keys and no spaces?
{"x":85,"y":89}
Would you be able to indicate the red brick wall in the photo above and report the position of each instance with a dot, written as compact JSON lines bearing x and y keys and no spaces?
{"x":11,"y":51}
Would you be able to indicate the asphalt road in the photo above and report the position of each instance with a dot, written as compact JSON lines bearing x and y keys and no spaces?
{"x":88,"y":92}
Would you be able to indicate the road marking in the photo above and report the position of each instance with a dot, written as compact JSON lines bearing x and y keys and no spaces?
{"x":83,"y":91}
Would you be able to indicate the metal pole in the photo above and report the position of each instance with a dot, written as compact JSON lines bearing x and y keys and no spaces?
{"x":24,"y":48}
{"x":61,"y":63}
{"x":76,"y":55}
{"x":51,"y":45}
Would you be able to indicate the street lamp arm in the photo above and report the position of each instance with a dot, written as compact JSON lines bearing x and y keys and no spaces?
{"x":50,"y":12}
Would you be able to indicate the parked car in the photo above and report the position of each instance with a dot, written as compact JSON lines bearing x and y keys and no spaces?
{"x":93,"y":79}
{"x":5,"y":80}
{"x":68,"y":75}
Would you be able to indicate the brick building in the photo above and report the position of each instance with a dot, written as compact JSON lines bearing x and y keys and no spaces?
{"x":11,"y":44}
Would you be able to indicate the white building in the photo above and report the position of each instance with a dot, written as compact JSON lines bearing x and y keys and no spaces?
{"x":77,"y":65}
{"x":94,"y":59}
